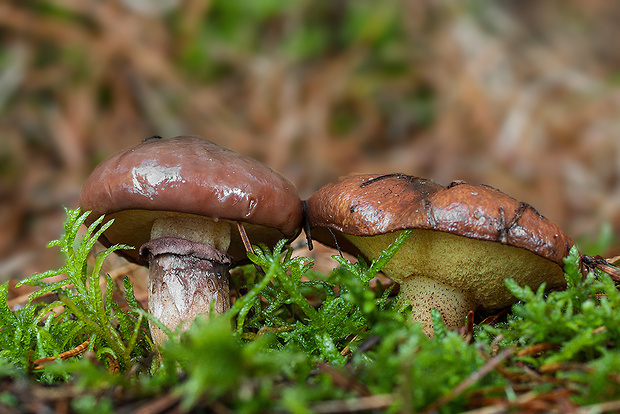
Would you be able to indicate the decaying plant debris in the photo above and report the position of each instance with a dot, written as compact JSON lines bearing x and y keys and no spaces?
{"x":523,"y":98}
{"x":350,"y":349}
{"x":520,"y":97}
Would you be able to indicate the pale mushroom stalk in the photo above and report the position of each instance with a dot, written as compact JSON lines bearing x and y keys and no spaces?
{"x":452,"y":302}
{"x":188,"y":270}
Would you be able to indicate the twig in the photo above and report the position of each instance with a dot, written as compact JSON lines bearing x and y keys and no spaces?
{"x":467,"y":331}
{"x":613,"y":260}
{"x":347,"y":349}
{"x":521,"y":401}
{"x":538,"y":348}
{"x":476,"y":376}
{"x":563,"y":366}
{"x":343,"y":379}
{"x":606,"y":407}
{"x":371,"y":402}
{"x":159,"y":405}
{"x":492,"y":319}
{"x":306,"y":225}
{"x":248,"y":245}
{"x":40,"y":363}
{"x":597,"y":262}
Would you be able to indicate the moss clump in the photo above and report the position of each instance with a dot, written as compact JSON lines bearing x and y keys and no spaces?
{"x":300,"y":341}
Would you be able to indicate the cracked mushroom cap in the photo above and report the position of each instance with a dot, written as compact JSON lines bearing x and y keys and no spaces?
{"x":190,"y":176}
{"x":467,"y":236}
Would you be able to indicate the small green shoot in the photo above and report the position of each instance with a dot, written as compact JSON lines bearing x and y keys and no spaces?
{"x":81,"y":311}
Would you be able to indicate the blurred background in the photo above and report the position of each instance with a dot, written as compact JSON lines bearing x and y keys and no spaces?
{"x":521,"y":95}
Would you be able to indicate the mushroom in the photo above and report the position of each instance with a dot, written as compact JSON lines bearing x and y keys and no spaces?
{"x":176,"y":200}
{"x":466,"y":240}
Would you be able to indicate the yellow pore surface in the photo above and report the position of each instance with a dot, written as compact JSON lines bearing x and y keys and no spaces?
{"x":478,"y":267}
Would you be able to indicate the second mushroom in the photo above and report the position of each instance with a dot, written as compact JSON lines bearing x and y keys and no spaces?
{"x":467,"y":239}
{"x":179,"y":201}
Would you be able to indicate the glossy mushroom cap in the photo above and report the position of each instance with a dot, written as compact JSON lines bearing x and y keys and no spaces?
{"x":188,"y":175}
{"x":467,"y":237}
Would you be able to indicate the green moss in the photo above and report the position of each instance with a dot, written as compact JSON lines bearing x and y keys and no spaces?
{"x":297,"y":339}
{"x":35,"y":331}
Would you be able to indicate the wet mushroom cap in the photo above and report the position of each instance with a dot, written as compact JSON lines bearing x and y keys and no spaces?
{"x":360,"y":205}
{"x":189,"y":176}
{"x":471,"y":236}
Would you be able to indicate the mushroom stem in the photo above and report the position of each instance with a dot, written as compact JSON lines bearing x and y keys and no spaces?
{"x":204,"y":230}
{"x":188,"y":270}
{"x":424,"y":294}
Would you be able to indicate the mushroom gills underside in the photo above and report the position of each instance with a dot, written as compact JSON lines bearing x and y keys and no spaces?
{"x":437,"y":263}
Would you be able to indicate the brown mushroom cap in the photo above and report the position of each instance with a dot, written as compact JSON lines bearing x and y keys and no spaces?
{"x":188,"y":175}
{"x":466,"y":240}
{"x":362,"y":205}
